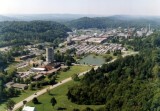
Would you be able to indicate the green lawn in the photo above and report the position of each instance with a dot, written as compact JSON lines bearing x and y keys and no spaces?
{"x":60,"y":94}
{"x":73,"y":70}
{"x":2,"y":107}
{"x":23,"y":95}
{"x":61,"y":76}
{"x":24,"y":69}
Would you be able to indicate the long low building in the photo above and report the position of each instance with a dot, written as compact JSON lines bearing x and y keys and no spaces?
{"x":27,"y":56}
{"x":80,"y":38}
{"x":38,"y":69}
{"x":96,"y":40}
{"x":39,"y":76}
{"x":16,"y":85}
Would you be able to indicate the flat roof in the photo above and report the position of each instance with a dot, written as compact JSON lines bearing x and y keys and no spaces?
{"x":28,"y":108}
{"x":39,"y":69}
{"x":38,"y":76}
{"x":96,"y":40}
{"x":17,"y":85}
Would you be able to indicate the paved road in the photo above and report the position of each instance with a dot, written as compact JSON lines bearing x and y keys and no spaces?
{"x":20,"y":104}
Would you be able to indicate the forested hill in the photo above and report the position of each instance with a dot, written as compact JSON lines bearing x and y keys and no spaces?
{"x":128,"y":84}
{"x":87,"y":22}
{"x":113,"y":21}
{"x":34,"y":30}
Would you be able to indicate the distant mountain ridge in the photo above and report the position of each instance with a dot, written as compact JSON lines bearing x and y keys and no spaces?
{"x":6,"y":18}
{"x":113,"y":21}
{"x":88,"y":21}
{"x":45,"y":17}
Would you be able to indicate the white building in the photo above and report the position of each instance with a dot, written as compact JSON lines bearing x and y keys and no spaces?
{"x":139,"y":33}
{"x":28,"y":108}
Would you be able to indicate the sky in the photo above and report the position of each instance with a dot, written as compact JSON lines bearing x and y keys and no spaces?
{"x":96,"y":7}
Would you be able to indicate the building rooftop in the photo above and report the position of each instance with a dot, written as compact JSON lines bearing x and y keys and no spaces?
{"x":28,"y":108}
{"x":38,"y":69}
{"x":95,"y":40}
{"x":9,"y":83}
{"x":20,"y":86}
{"x":38,"y":76}
{"x":16,"y":85}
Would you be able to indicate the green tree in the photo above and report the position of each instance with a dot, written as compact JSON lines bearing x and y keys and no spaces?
{"x":88,"y":109}
{"x":11,"y":71}
{"x":31,"y":86}
{"x":75,"y":77}
{"x":53,"y":101}
{"x":35,"y":100}
{"x":1,"y":90}
{"x":68,"y":63}
{"x":156,"y":71}
{"x":10,"y":104}
{"x":75,"y":109}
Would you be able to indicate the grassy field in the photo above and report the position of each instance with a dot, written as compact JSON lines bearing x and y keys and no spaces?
{"x":24,"y":69}
{"x":60,"y":94}
{"x":61,"y":76}
{"x":73,"y":70}
{"x":23,"y":95}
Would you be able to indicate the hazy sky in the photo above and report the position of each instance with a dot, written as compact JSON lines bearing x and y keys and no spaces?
{"x":100,"y":7}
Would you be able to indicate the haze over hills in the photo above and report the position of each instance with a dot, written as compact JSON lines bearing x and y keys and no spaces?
{"x":88,"y":21}
{"x":113,"y":21}
{"x":69,"y":17}
{"x":46,"y":17}
{"x":6,"y":18}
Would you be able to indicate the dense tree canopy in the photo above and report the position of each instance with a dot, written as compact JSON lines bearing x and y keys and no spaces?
{"x":130,"y":83}
{"x":112,"y":22}
{"x":14,"y":32}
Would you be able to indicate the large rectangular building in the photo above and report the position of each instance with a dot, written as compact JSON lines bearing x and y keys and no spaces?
{"x":96,"y":40}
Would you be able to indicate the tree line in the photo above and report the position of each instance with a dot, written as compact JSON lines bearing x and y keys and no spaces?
{"x":130,"y":83}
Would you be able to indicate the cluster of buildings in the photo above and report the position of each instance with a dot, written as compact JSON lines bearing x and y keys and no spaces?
{"x":102,"y":35}
{"x":84,"y":38}
{"x":85,"y":41}
{"x":89,"y":38}
{"x":144,"y":32}
{"x":39,"y":71}
{"x":43,"y":67}
{"x":33,"y":52}
{"x":98,"y":49}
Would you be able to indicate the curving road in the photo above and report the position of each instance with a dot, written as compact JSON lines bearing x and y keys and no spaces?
{"x":20,"y":104}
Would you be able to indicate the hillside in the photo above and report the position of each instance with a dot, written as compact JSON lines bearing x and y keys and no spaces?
{"x":113,"y":21}
{"x":87,"y":22}
{"x":127,"y":84}
{"x":31,"y":31}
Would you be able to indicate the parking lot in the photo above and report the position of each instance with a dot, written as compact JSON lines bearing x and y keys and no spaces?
{"x":98,"y":49}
